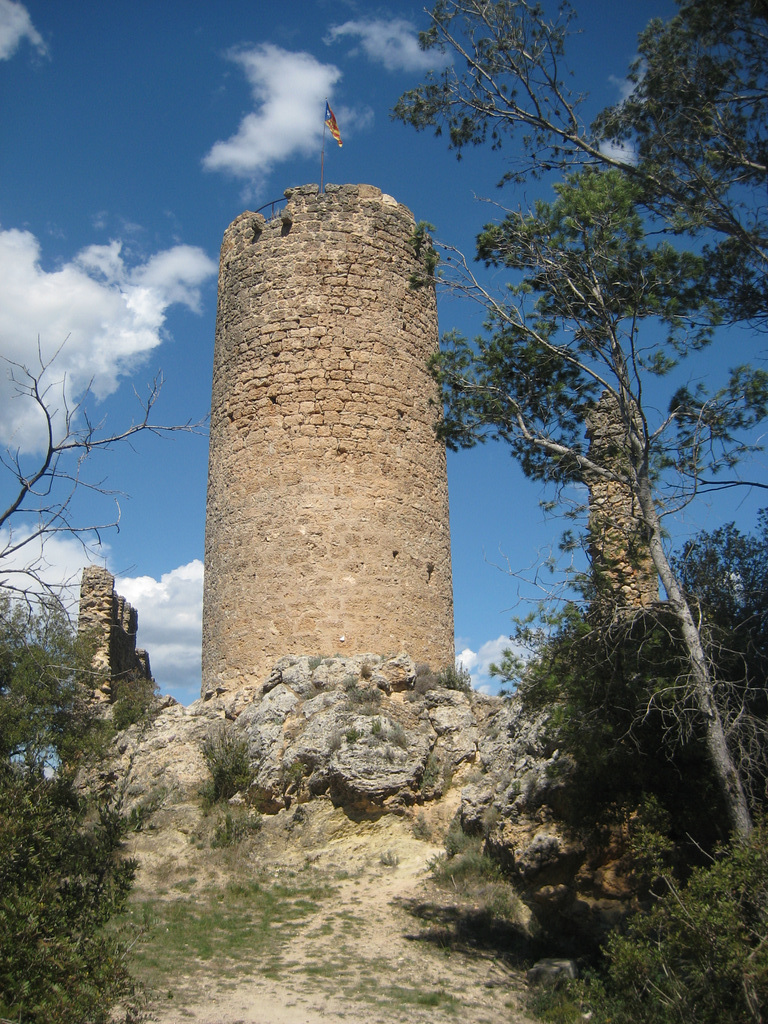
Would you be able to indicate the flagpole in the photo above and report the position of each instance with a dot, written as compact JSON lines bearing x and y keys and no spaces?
{"x":322,"y":154}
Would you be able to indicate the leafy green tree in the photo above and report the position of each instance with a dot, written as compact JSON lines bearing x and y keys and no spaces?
{"x":612,"y":694}
{"x":61,"y":880}
{"x":692,"y":135}
{"x":725,"y":572}
{"x":46,"y":716}
{"x":597,"y":309}
{"x":571,"y":332}
{"x":696,"y":124}
{"x":701,"y":954}
{"x":61,"y":873}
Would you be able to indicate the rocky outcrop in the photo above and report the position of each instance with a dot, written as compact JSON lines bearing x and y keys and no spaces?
{"x":376,"y":735}
{"x":577,"y":879}
{"x":366,"y":732}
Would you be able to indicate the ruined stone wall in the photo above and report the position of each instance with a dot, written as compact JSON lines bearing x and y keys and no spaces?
{"x":114,"y":624}
{"x":623,"y":569}
{"x":327,"y":516}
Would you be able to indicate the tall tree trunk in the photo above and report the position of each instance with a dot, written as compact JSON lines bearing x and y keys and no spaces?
{"x":726,"y":771}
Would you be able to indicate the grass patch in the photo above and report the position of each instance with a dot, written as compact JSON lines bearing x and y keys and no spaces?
{"x":228,"y":927}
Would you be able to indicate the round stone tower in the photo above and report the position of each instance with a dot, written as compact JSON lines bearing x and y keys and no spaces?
{"x":327,"y":519}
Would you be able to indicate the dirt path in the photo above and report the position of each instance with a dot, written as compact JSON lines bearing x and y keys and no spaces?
{"x":379,"y":948}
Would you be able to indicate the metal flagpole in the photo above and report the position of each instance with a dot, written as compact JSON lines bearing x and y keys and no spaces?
{"x":322,"y":153}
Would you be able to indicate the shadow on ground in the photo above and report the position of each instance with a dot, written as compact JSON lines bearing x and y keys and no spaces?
{"x":471,"y":931}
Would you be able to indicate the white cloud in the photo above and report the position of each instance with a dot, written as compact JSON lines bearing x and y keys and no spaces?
{"x":29,"y":564}
{"x":170,"y":609}
{"x":104,"y":315}
{"x":619,"y":151}
{"x":170,"y":614}
{"x":289,"y":90}
{"x":623,"y":86}
{"x":478,"y":663}
{"x":394,"y":43}
{"x":16,"y":25}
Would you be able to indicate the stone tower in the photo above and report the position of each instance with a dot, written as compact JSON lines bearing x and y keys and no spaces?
{"x":327,"y":517}
{"x":621,"y":560}
{"x":113,"y":625}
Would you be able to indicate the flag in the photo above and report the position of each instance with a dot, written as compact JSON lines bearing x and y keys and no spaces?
{"x":330,"y":120}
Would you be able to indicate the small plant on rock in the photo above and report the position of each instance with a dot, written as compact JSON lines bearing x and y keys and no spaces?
{"x":234,"y":828}
{"x":455,"y":677}
{"x":229,"y":763}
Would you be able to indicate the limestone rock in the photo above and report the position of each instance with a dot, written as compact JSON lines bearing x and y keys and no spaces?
{"x":357,"y":732}
{"x":552,"y":972}
{"x":338,"y":727}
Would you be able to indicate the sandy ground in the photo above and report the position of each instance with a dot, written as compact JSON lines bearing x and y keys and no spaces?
{"x":363,"y":955}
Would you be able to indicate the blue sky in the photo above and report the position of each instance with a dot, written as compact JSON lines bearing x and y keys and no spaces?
{"x":132,"y":133}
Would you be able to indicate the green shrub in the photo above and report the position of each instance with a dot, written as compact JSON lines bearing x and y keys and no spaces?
{"x":420,"y":828}
{"x":229,"y":763}
{"x":61,"y":880}
{"x":464,"y":860}
{"x":295,"y":774}
{"x":701,"y":954}
{"x":46,"y":708}
{"x":449,"y":678}
{"x":431,"y":772}
{"x":132,"y":700}
{"x":363,"y":700}
{"x":455,"y":678}
{"x":233,"y":828}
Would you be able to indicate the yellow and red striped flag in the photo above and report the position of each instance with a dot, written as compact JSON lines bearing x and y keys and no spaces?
{"x":330,"y":120}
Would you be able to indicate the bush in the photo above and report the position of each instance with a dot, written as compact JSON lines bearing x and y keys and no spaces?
{"x":132,"y":700}
{"x":465,"y":859}
{"x":363,"y":700}
{"x":449,"y":678}
{"x":46,"y":714}
{"x":234,"y":828}
{"x":60,"y":883}
{"x":229,"y":763}
{"x":455,"y":678}
{"x":701,"y":954}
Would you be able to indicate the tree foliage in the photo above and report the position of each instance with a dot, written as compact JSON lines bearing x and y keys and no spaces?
{"x":607,"y":296}
{"x":46,"y":717}
{"x":696,"y":122}
{"x":701,"y":953}
{"x":62,"y":876}
{"x":61,"y":880}
{"x":726,"y":574}
{"x":617,"y":711}
{"x":692,"y":135}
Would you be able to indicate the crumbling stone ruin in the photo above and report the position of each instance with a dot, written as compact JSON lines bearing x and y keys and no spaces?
{"x":623,"y":569}
{"x":113,"y":624}
{"x":327,"y":513}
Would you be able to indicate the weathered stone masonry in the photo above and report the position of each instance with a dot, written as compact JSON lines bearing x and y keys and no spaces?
{"x":327,"y":518}
{"x":621,"y":561}
{"x":114,"y":624}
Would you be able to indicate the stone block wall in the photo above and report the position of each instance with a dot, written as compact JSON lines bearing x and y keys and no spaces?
{"x":623,"y":569}
{"x":327,"y":515}
{"x":114,"y":625}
